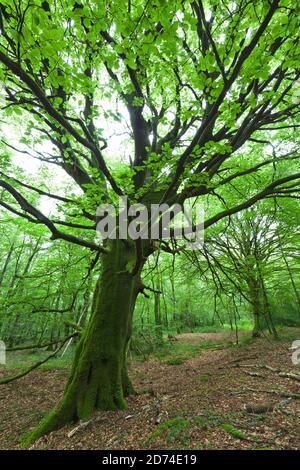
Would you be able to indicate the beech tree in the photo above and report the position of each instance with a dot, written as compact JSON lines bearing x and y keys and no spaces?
{"x":203,"y":94}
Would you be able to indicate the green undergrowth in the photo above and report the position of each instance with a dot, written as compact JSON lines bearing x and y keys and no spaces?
{"x":172,"y":430}
{"x":23,"y":360}
{"x":287,"y":333}
{"x":244,"y":324}
{"x":175,"y":352}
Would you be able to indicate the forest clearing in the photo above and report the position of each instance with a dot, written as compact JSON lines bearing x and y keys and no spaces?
{"x":197,"y":394}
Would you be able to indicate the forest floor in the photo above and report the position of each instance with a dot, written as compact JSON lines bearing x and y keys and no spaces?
{"x":201,"y":391}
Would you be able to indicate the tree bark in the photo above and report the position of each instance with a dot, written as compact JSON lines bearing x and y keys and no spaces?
{"x":99,"y":377}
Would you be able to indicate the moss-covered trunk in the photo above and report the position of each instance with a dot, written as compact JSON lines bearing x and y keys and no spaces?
{"x":99,"y":378}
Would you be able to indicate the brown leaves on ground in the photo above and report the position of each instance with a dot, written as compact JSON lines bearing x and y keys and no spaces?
{"x":207,"y":402}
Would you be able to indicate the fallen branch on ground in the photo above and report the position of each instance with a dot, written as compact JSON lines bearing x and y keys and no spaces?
{"x":259,"y":408}
{"x":239,"y":359}
{"x":84,"y":424}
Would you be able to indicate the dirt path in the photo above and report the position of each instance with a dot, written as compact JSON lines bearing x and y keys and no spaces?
{"x":199,"y":404}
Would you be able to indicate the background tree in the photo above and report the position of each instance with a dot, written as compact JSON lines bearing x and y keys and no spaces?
{"x":193,"y":85}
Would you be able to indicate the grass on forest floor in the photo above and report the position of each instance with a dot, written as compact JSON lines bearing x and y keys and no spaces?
{"x":22,"y":360}
{"x":177,"y":352}
{"x":180,"y":430}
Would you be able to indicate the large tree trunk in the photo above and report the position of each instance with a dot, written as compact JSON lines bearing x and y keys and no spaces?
{"x":99,"y":377}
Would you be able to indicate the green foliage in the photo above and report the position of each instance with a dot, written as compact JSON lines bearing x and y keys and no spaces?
{"x":204,"y":378}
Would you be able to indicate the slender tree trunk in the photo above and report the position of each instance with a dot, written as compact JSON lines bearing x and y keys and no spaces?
{"x":99,"y":377}
{"x":174,"y":303}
